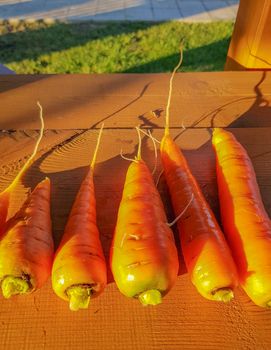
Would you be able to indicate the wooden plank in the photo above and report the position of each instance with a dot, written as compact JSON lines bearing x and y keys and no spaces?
{"x":234,"y":99}
{"x":250,"y":42}
{"x":185,"y":320}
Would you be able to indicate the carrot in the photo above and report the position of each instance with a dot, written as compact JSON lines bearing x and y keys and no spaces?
{"x":206,"y":253}
{"x":143,"y":255}
{"x":6,"y":194}
{"x":79,"y":268}
{"x":245,"y":221}
{"x":26,"y":248}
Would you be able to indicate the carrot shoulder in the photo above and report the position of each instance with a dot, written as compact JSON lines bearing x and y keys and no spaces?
{"x":144,"y":258}
{"x":26,"y":248}
{"x":244,"y":218}
{"x":79,"y":269}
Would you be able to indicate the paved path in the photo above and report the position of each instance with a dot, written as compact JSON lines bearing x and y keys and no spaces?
{"x":153,"y":10}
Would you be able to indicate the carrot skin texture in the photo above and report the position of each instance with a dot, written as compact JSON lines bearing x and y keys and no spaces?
{"x":243,"y":215}
{"x":79,"y":260}
{"x":207,"y":256}
{"x":26,"y":248}
{"x":143,"y":255}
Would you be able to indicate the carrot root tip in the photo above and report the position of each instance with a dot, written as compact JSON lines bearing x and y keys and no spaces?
{"x":150,"y":297}
{"x":223,"y":294}
{"x":79,"y":297}
{"x":12,"y":285}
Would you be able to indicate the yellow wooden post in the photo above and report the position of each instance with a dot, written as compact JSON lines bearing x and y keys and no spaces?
{"x":250,"y":46}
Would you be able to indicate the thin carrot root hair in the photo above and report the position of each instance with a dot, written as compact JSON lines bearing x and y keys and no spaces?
{"x":182,"y":212}
{"x":168,"y":104}
{"x":93,"y":161}
{"x":155,"y":153}
{"x":183,"y":126}
{"x":30,"y":159}
{"x":170,"y":89}
{"x":147,"y":134}
{"x":127,"y":158}
{"x":138,"y":156}
{"x":159,"y":178}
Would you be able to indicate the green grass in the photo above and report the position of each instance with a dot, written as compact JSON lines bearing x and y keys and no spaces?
{"x":133,"y":47}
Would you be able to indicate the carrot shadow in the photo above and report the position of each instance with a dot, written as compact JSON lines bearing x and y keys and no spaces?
{"x":259,"y":113}
{"x":141,"y":94}
{"x":13,"y":82}
{"x":54,"y":111}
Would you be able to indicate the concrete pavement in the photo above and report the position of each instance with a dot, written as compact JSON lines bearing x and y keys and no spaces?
{"x":134,"y":10}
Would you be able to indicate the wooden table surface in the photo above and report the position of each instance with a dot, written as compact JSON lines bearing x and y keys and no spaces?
{"x":74,"y":107}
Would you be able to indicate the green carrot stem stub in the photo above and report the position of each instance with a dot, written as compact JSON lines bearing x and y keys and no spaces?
{"x":79,"y":297}
{"x":150,"y":297}
{"x":12,"y":285}
{"x":223,"y":294}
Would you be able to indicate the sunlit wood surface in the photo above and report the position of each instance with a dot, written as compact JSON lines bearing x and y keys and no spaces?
{"x":74,"y":107}
{"x":250,"y":42}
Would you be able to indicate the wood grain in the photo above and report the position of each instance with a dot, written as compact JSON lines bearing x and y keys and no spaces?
{"x":124,"y":100}
{"x":185,"y":320}
{"x":74,"y":107}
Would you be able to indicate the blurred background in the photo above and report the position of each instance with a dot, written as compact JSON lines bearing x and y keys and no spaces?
{"x":110,"y":36}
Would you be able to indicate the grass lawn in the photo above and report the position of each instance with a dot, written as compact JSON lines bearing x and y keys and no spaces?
{"x":99,"y":47}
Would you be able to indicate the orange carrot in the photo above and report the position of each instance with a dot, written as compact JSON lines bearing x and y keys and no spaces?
{"x":6,"y":194}
{"x":143,"y":258}
{"x":245,"y":221}
{"x":79,"y":268}
{"x":206,"y":253}
{"x":26,"y":248}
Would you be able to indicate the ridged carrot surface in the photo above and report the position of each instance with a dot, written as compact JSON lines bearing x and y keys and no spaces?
{"x":144,"y":258}
{"x":244,"y":218}
{"x":26,"y":248}
{"x":79,"y":270}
